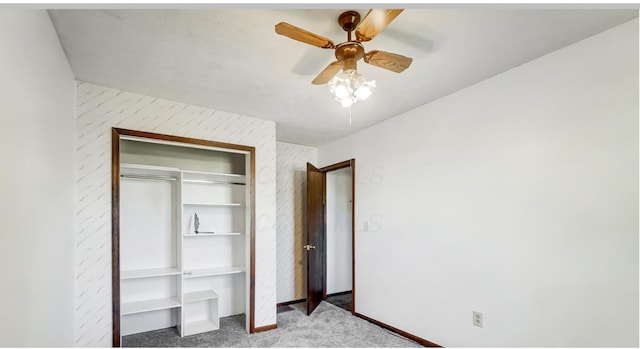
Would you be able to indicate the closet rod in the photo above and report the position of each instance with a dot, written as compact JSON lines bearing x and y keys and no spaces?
{"x":150,"y":177}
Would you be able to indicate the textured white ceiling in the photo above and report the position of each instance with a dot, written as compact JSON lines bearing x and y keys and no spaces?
{"x":232,"y":60}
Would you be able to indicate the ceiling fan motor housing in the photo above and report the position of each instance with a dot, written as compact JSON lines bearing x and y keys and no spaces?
{"x":349,"y":53}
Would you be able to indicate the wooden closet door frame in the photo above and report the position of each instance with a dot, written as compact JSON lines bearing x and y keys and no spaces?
{"x":337,"y":166}
{"x":116,"y":133}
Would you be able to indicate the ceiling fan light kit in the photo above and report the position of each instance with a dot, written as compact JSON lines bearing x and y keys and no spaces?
{"x":350,"y":87}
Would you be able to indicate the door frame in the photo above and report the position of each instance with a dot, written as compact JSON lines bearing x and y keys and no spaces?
{"x":116,"y":134}
{"x":337,"y":166}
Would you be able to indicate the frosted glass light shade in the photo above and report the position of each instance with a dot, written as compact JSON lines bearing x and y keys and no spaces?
{"x":349,"y":87}
{"x":366,"y":90}
{"x":346,"y":101}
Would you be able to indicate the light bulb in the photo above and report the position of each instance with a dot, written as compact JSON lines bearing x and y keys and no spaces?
{"x":346,"y":102}
{"x":341,"y":91}
{"x":365,"y":90}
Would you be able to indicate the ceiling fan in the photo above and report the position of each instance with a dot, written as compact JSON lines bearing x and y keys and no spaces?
{"x":352,"y":50}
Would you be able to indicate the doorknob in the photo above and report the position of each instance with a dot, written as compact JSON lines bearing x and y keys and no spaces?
{"x":308,"y":247}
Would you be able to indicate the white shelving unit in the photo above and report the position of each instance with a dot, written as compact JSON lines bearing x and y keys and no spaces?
{"x":214,"y":178}
{"x":209,"y":319}
{"x":213,"y":271}
{"x":145,"y":273}
{"x":233,"y":233}
{"x":133,"y":170}
{"x":149,"y":305}
{"x":213,"y":204}
{"x":199,"y":296}
{"x":172,"y":274}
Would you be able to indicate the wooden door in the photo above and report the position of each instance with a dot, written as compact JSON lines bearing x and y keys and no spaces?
{"x":315,"y":248}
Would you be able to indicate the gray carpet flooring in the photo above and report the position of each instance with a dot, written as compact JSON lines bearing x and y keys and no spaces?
{"x":329,"y":326}
{"x":341,"y":300}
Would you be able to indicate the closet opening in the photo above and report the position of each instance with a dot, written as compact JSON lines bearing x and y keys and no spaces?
{"x":183,"y":233}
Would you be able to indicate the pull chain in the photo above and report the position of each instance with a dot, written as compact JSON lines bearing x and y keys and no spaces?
{"x":350,"y":143}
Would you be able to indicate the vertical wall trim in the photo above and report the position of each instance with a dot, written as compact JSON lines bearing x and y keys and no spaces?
{"x":353,"y":236}
{"x":252,"y":246}
{"x":115,"y":236}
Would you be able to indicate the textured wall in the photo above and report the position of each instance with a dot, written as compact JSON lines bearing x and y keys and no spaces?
{"x":99,"y":109}
{"x":291,"y":200}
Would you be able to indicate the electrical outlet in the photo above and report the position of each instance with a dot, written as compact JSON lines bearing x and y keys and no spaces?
{"x":365,"y":226}
{"x":477,"y":319}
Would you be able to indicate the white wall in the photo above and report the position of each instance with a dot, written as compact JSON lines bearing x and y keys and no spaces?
{"x":291,"y":192}
{"x":37,"y":111}
{"x":338,"y":209}
{"x":100,"y":108}
{"x":516,"y":197}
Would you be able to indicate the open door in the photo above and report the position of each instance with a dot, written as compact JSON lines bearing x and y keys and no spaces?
{"x":315,"y":238}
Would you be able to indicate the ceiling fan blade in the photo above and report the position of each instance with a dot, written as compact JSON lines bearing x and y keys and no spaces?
{"x":389,"y":61}
{"x":327,"y":73}
{"x":302,"y":35}
{"x":374,"y":22}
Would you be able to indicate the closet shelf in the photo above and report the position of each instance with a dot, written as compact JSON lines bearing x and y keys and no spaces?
{"x":233,"y":233}
{"x":204,"y":181}
{"x":141,"y":170}
{"x":189,"y":176}
{"x":145,"y":273}
{"x":206,"y":177}
{"x":199,"y":296}
{"x":212,"y":204}
{"x":149,"y":305}
{"x":195,"y":273}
